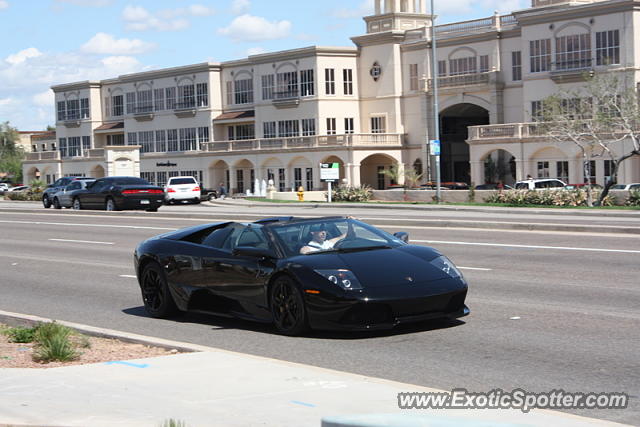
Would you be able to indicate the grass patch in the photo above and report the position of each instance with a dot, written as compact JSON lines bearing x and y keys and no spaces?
{"x":20,"y":334}
{"x":54,"y":343}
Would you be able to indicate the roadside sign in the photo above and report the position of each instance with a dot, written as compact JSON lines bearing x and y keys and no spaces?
{"x":329,"y":172}
{"x":434,"y":146}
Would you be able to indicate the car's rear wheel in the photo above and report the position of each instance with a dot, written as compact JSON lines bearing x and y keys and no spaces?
{"x":76,"y":204}
{"x":287,"y":307}
{"x":110,"y":205}
{"x":46,"y":202}
{"x":56,"y":203}
{"x":152,"y":210}
{"x":156,"y":296}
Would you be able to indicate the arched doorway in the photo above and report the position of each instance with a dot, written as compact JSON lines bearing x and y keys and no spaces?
{"x":372,"y":171}
{"x":499,"y":166}
{"x":334,"y":159}
{"x":219,"y":174}
{"x":97,"y":172}
{"x":454,"y":157}
{"x":301,"y":170}
{"x":32,"y":175}
{"x":245,"y":176}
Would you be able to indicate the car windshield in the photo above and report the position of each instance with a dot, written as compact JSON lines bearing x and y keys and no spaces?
{"x":182,"y":181}
{"x":330,"y":235}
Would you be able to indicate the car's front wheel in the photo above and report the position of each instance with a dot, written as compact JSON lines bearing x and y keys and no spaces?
{"x":287,"y":307}
{"x":46,"y":202}
{"x":76,"y":204}
{"x":156,"y":296}
{"x":56,"y":203}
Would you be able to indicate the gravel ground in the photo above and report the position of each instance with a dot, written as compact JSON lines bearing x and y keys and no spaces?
{"x":18,"y":355}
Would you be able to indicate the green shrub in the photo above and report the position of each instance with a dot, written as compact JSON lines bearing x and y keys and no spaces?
{"x":633,"y":199}
{"x":173,"y":423}
{"x":347,"y":193}
{"x":54,"y":344}
{"x":23,"y":196}
{"x":20,"y":334}
{"x":564,"y":198}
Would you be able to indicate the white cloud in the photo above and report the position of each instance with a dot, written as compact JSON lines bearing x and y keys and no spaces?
{"x":365,"y":8}
{"x":4,"y":102}
{"x":240,"y":7}
{"x":87,"y":3}
{"x":4,"y":4}
{"x":44,"y":99}
{"x":23,"y":55}
{"x":138,"y":18}
{"x":248,"y":28}
{"x":255,"y":51}
{"x":106,"y":44}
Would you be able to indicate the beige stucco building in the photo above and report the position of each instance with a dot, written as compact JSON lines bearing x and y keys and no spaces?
{"x":279,"y":115}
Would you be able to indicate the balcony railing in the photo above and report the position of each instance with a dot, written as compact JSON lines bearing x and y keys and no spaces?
{"x":316,"y":141}
{"x":573,"y":65}
{"x":506,"y":131}
{"x":286,"y":94}
{"x":461,"y":80}
{"x":42,"y":155}
{"x":483,"y":24}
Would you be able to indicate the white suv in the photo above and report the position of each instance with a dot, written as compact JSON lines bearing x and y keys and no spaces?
{"x":539,"y":184}
{"x":182,"y":189}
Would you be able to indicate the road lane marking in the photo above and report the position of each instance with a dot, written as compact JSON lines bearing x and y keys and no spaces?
{"x":502,"y":245}
{"x":128,"y":276}
{"x":89,"y":225}
{"x":82,"y":241}
{"x":474,"y":268}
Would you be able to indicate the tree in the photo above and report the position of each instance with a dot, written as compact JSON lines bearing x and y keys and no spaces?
{"x":9,"y":138}
{"x":11,"y":154}
{"x":411,"y":177}
{"x":596,"y":118}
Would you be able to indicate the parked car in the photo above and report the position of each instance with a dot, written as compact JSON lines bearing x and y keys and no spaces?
{"x":59,"y":184}
{"x":539,"y":184}
{"x":182,"y":189}
{"x":627,"y":187}
{"x":64,"y":197}
{"x":366,"y":279}
{"x":4,"y":186}
{"x":119,"y":192}
{"x":493,"y":186}
{"x":582,"y":185}
{"x":19,"y":188}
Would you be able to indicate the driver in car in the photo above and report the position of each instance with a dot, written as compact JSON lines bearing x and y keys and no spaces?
{"x":319,"y":241}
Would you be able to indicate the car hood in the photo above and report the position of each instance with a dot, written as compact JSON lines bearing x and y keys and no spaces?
{"x":382,"y":267}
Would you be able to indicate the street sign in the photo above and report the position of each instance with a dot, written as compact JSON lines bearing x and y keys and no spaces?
{"x":329,"y":172}
{"x":434,"y":146}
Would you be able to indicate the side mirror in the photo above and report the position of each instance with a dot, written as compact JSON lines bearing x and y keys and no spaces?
{"x":402,"y":236}
{"x":252,"y":252}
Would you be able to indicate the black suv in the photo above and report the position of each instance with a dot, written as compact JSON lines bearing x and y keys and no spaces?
{"x":59,"y":184}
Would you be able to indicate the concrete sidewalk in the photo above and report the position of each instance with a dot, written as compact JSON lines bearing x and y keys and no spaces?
{"x":213,"y":387}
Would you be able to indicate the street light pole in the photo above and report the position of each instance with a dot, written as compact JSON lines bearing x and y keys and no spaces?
{"x":436,"y":115}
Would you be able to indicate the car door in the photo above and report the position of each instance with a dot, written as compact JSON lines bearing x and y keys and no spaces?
{"x":64,"y":197}
{"x":240,"y":278}
{"x":91,"y":198}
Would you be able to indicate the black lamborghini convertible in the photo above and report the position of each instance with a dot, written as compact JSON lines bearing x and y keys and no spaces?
{"x":322,"y":273}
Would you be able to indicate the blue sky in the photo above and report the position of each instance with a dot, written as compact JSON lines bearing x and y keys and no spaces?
{"x":46,"y":42}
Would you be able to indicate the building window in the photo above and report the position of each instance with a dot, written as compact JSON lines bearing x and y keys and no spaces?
{"x":150,"y":177}
{"x":378,"y":124}
{"x":608,"y":167}
{"x":442,"y":68}
{"x":590,"y":171}
{"x":161,"y":141}
{"x":202,"y":94}
{"x":308,"y":127}
{"x":132,"y":138}
{"x":297,"y":178}
{"x":536,"y":111}
{"x":329,"y":81}
{"x":203,"y":135}
{"x":241,"y":132}
{"x":229,"y":92}
{"x":73,"y":109}
{"x":543,"y":169}
{"x":608,"y":47}
{"x":62,"y":111}
{"x":331,"y":126}
{"x":307,"y":83}
{"x":243,"y":91}
{"x":287,"y":85}
{"x":268,"y":86}
{"x":158,"y":99}
{"x":463,"y":66}
{"x":484,"y":63}
{"x":145,"y":101}
{"x":540,"y":55}
{"x":348,"y":125}
{"x":573,"y":51}
{"x":347,"y":75}
{"x":281,"y":179}
{"x":516,"y":66}
{"x":86,"y":143}
{"x":117,"y":105}
{"x":381,"y":177}
{"x":269,"y":130}
{"x":161,"y":179}
{"x":562,"y":171}
{"x":131,"y":102}
{"x":288,"y":128}
{"x":63,"y":147}
{"x":74,"y":147}
{"x":116,"y":140}
{"x":240,"y":180}
{"x":171,"y":98}
{"x":84,"y":108}
{"x":309,"y":176}
{"x":413,"y":76}
{"x":172,"y":140}
{"x":146,"y":142}
{"x":188,"y":141}
{"x":186,"y":96}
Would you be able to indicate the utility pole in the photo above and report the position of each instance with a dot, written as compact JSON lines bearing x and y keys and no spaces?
{"x":436,"y":115}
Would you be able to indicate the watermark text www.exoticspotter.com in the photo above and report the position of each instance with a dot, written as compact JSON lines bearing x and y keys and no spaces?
{"x":461,"y":398}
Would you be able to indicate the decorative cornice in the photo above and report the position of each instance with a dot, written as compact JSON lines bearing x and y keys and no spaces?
{"x":66,"y":87}
{"x":562,"y":12}
{"x":392,"y":36}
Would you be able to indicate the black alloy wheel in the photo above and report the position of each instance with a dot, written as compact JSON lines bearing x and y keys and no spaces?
{"x":56,"y":203}
{"x":110,"y":205}
{"x":287,"y":307}
{"x":46,"y":202}
{"x":76,"y":204}
{"x":156,"y":296}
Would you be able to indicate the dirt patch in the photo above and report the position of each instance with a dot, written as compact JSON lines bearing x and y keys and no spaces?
{"x":18,"y":355}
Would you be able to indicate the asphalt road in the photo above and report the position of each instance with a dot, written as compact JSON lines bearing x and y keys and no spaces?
{"x":550,"y":310}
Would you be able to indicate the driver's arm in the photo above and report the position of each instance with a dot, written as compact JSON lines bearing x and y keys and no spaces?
{"x":350,"y":233}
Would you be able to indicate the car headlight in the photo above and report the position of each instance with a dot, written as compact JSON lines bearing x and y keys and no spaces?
{"x":445,"y":264}
{"x":343,"y":278}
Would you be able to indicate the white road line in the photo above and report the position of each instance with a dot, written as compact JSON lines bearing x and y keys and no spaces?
{"x":474,"y":268}
{"x":88,"y":225}
{"x":81,"y":241}
{"x":502,"y":245}
{"x":128,"y":276}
